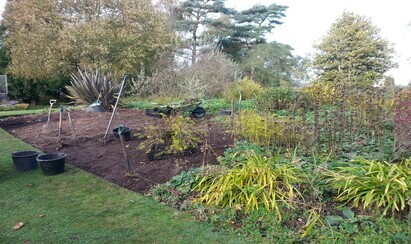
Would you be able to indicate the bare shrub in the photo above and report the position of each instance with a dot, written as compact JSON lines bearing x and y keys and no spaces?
{"x":158,"y":82}
{"x":211,"y":75}
{"x":402,"y":119}
{"x":208,"y":78}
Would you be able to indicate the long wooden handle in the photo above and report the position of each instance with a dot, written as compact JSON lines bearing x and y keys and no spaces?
{"x":48,"y":119}
{"x":71,"y":123}
{"x":115,"y":106}
{"x":126,"y":159}
{"x":61,"y":117}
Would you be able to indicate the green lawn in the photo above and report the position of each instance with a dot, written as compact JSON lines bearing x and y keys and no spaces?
{"x":21,"y":112}
{"x":78,"y":207}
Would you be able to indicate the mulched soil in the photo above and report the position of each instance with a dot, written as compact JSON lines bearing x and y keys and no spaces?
{"x":86,"y":152}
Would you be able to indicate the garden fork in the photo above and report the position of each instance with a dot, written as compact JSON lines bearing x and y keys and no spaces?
{"x":62,"y":109}
{"x":60,"y":122}
{"x":103,"y":141}
{"x":121,"y":129}
{"x":71,"y":122}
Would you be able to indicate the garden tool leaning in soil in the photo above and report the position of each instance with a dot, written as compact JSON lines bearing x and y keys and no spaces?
{"x":71,"y":121}
{"x":121,"y":130}
{"x":103,"y":141}
{"x":60,"y":122}
{"x":47,"y":128}
{"x":62,"y":109}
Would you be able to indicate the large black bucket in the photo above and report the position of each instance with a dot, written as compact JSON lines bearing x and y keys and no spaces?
{"x":52,"y":163}
{"x":198,"y":112}
{"x":126,"y":134}
{"x":25,"y":160}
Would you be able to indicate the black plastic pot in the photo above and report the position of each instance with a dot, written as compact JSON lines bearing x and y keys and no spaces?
{"x":225,"y":112}
{"x":25,"y":160}
{"x":198,"y":112}
{"x":52,"y":163}
{"x":160,"y":112}
{"x":153,"y":113}
{"x":126,"y":134}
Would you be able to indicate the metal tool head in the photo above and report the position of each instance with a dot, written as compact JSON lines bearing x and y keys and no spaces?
{"x":102,"y":142}
{"x":132,"y":175}
{"x":47,"y":129}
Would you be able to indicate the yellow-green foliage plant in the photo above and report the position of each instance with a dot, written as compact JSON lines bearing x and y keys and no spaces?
{"x":248,"y":87}
{"x":276,"y":98}
{"x":272,"y":131}
{"x":251,"y":184}
{"x":20,"y":106}
{"x":178,"y":133}
{"x":373,"y":184}
{"x":323,"y":92}
{"x":183,"y":136}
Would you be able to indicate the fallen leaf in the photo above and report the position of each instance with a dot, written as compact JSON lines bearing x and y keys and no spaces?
{"x":18,"y":226}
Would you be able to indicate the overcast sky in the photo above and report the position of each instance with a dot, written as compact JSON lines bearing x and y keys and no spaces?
{"x":306,"y":22}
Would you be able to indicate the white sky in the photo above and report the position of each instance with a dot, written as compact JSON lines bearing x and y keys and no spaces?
{"x":306,"y":22}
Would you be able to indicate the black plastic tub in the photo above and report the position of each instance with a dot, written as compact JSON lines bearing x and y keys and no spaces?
{"x":225,"y":112}
{"x":160,"y":112}
{"x":25,"y":160}
{"x":198,"y":112}
{"x":126,"y":134}
{"x":52,"y":163}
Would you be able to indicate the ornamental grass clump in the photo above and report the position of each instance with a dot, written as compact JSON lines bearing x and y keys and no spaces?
{"x":373,"y":184}
{"x":270,"y":131}
{"x":257,"y":182}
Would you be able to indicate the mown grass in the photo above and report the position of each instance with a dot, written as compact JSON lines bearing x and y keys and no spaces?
{"x":78,"y":207}
{"x":21,"y":112}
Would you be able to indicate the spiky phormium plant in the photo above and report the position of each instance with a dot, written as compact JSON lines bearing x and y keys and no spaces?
{"x":88,"y":84}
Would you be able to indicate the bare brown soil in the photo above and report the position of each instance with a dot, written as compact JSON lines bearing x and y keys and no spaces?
{"x":86,"y":152}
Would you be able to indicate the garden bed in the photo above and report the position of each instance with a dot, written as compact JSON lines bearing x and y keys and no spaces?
{"x":107,"y":161}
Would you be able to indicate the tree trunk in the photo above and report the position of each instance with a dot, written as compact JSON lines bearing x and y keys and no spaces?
{"x":194,"y":48}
